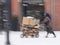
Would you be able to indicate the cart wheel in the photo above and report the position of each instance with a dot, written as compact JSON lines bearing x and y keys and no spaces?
{"x":32,"y":36}
{"x":21,"y":35}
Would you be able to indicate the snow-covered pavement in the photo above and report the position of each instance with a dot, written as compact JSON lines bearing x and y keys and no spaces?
{"x":15,"y":39}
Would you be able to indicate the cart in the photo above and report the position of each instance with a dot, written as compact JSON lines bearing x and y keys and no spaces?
{"x":30,"y":27}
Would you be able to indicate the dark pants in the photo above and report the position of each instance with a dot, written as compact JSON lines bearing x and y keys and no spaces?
{"x":49,"y":30}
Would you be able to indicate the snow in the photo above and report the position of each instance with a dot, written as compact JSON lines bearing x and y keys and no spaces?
{"x":15,"y":39}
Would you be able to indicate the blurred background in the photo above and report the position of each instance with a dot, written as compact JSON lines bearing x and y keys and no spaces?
{"x":12,"y":13}
{"x":36,"y":8}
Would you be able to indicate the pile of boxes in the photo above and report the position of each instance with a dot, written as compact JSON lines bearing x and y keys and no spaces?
{"x":30,"y":27}
{"x":29,"y":21}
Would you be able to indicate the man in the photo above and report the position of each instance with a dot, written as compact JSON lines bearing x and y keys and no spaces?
{"x":47,"y":22}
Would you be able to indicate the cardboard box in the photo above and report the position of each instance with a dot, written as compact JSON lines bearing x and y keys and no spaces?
{"x":28,"y":21}
{"x":25,"y":21}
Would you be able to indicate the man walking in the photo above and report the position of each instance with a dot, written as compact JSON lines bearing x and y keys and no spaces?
{"x":47,"y":22}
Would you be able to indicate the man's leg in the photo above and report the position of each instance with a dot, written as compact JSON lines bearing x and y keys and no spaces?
{"x":53,"y":34}
{"x":52,"y":31}
{"x":46,"y":29}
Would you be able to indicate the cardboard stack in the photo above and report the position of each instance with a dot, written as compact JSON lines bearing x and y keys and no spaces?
{"x":29,"y":21}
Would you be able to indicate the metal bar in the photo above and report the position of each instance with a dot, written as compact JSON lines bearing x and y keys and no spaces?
{"x":8,"y":18}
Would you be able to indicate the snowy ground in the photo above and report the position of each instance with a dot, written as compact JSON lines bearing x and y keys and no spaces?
{"x":15,"y":39}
